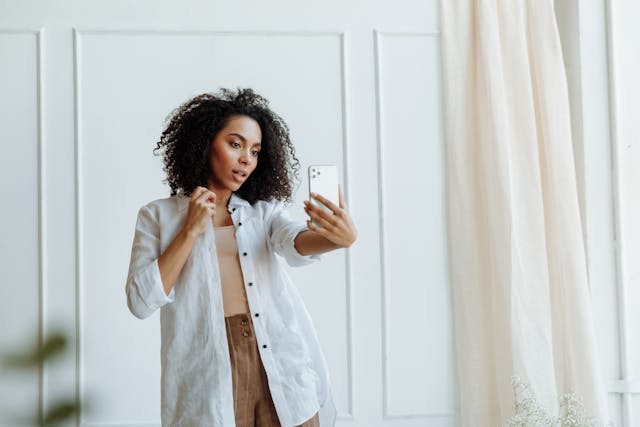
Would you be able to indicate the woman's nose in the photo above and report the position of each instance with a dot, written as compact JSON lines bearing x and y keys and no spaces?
{"x":245,"y":158}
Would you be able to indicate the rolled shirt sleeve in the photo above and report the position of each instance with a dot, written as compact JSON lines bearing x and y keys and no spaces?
{"x":282,"y":233}
{"x":144,"y":289}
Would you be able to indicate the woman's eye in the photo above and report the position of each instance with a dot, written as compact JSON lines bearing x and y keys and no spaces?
{"x":233,"y":142}
{"x":255,"y":153}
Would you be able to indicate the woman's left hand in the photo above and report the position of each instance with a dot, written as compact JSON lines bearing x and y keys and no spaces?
{"x":337,"y":227}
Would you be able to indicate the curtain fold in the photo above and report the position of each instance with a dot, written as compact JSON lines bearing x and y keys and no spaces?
{"x":519,"y":275}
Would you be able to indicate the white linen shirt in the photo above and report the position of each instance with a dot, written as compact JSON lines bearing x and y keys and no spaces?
{"x":196,"y":379}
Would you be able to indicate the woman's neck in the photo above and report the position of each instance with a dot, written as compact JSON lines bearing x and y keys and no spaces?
{"x":222,"y":198}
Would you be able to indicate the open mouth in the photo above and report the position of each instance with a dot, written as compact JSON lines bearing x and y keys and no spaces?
{"x":239,"y":175}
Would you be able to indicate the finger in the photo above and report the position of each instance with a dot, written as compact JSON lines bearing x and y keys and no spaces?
{"x":196,"y":193}
{"x":212,"y":196}
{"x":315,"y":228}
{"x":326,"y":202}
{"x":320,"y":212}
{"x":321,"y":218}
{"x":206,"y":195}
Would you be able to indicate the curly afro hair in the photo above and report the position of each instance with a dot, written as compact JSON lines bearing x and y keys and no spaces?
{"x":186,"y":144}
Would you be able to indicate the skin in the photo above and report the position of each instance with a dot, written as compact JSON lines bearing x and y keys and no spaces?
{"x":236,"y":147}
{"x":336,"y":228}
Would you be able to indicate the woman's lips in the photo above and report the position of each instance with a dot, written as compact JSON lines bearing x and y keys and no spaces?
{"x":238,"y":177}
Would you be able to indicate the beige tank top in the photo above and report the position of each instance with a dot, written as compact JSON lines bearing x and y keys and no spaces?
{"x":234,"y":297}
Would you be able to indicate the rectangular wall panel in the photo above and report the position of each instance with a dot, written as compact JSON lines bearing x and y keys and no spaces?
{"x":128,"y":82}
{"x":19,"y":220}
{"x":626,"y":105}
{"x":624,"y":87}
{"x":418,"y":349}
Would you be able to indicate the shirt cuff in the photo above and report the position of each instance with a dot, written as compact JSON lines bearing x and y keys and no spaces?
{"x":295,"y":258}
{"x":151,"y":288}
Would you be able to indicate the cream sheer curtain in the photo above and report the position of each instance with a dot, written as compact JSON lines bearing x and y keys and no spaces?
{"x":521,"y":298}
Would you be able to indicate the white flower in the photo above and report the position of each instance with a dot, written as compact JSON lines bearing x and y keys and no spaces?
{"x":529,"y":413}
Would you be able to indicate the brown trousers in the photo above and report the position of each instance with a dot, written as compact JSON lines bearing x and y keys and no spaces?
{"x":252,"y":400}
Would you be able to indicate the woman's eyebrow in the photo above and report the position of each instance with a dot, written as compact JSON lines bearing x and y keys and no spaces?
{"x":243,"y":138}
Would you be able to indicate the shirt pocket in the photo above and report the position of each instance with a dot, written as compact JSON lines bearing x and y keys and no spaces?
{"x":254,"y":239}
{"x":290,"y":345}
{"x":299,"y":377}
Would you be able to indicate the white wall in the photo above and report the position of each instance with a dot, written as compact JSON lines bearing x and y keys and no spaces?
{"x":84,"y":82}
{"x":601,"y":44}
{"x":86,"y":86}
{"x":624,"y":73}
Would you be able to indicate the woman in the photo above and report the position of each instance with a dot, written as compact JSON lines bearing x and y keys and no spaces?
{"x":238,"y":345}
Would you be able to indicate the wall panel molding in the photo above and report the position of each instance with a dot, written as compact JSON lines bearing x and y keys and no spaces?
{"x":79,"y":35}
{"x":39,"y":34}
{"x":389,"y":413}
{"x":625,"y":386}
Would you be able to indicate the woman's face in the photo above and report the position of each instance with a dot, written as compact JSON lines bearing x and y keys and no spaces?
{"x":234,"y":152}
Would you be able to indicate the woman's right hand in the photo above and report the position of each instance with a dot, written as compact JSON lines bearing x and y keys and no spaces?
{"x":202,"y":209}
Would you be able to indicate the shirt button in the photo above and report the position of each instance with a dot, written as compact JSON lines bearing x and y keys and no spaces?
{"x":250,"y":283}
{"x":264,"y":346}
{"x":233,"y":210}
{"x":244,"y":253}
{"x":257,"y":314}
{"x":239,"y":223}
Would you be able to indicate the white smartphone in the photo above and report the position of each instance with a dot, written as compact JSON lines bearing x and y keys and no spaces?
{"x":323,"y":180}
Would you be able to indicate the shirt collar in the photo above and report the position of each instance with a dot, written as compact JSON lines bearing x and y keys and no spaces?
{"x":234,"y":201}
